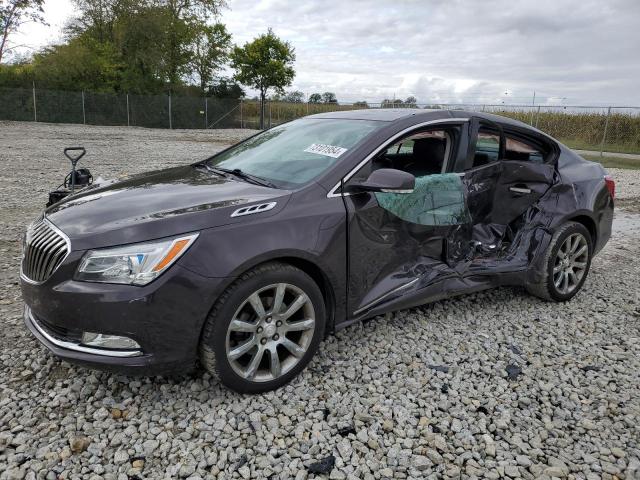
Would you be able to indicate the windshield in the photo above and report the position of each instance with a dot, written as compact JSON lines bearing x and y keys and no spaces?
{"x":295,"y":153}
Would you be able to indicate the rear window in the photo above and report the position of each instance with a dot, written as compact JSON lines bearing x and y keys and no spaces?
{"x":521,"y":150}
{"x":516,"y":148}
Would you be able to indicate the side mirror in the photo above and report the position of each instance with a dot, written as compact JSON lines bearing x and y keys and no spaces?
{"x":387,"y":180}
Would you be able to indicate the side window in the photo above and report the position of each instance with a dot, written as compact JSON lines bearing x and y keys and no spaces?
{"x":420,"y":154}
{"x":521,"y":150}
{"x":404,"y":147}
{"x":487,"y":147}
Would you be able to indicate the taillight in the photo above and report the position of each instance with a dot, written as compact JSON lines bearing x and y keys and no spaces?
{"x":611,"y":185}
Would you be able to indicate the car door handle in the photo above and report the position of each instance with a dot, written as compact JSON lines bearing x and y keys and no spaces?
{"x":520,"y":190}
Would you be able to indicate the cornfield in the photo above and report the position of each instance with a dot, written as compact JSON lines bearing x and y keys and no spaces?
{"x":577,"y":127}
{"x":585,"y":130}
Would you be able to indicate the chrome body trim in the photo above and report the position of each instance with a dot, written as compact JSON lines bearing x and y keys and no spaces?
{"x":251,"y":209}
{"x":77,"y":347}
{"x":59,"y":232}
{"x":519,"y":190}
{"x":391,"y":190}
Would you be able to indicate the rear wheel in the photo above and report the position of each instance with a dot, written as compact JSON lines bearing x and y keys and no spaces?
{"x":264,"y":329}
{"x":567,"y":263}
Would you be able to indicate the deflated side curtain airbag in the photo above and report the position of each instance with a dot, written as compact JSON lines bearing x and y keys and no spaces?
{"x":435,"y":200}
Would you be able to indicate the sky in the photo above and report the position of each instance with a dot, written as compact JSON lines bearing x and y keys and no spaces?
{"x":571,"y":52}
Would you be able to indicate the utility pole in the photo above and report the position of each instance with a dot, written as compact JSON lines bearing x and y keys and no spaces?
{"x":533,"y":104}
{"x":604,"y":133}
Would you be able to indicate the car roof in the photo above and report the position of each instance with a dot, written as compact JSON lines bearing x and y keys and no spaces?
{"x":420,"y":115}
{"x":378,"y":114}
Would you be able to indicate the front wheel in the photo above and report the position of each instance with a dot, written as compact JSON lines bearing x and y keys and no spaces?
{"x":264,"y":329}
{"x":567,"y":263}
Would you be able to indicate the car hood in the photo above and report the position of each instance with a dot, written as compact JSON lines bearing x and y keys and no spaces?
{"x":156,"y":204}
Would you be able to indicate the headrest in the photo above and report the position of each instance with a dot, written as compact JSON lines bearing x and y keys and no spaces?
{"x":431,"y":149}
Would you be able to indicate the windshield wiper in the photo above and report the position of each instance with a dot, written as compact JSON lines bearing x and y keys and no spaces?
{"x":209,"y":168}
{"x":245,"y":176}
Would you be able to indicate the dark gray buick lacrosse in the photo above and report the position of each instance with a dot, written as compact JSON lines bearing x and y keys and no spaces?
{"x":245,"y":261}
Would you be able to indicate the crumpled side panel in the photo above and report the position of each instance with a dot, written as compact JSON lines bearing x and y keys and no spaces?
{"x":458,"y":235}
{"x":435,"y":200}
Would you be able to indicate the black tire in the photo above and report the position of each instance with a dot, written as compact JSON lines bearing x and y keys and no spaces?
{"x":213,"y":344}
{"x":546,"y":288}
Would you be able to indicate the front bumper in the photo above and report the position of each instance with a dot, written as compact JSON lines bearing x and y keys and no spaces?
{"x":165,"y":318}
{"x":57,"y":338}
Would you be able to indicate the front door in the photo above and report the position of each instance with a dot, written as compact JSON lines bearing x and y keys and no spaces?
{"x":400,"y":242}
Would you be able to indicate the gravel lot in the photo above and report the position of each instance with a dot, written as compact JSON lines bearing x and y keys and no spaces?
{"x":491,"y":385}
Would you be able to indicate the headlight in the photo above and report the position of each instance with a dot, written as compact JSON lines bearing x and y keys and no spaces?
{"x":135,"y":264}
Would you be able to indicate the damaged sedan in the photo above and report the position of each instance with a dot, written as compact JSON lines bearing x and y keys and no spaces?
{"x":245,"y":261}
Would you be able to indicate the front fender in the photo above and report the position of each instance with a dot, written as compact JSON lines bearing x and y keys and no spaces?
{"x":306,"y":233}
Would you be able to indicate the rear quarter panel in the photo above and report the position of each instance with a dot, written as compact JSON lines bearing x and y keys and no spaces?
{"x":590,"y":195}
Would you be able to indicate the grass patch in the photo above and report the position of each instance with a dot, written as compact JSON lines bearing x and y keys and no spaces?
{"x":608,"y":147}
{"x":615,"y":162}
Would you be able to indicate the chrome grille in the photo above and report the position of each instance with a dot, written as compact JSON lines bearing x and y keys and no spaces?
{"x":45,"y":248}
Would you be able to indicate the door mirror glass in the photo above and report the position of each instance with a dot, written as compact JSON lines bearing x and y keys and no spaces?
{"x":386,"y":180}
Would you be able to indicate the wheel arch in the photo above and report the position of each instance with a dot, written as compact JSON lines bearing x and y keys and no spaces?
{"x":590,"y":224}
{"x":318,"y":275}
{"x":300,"y":260}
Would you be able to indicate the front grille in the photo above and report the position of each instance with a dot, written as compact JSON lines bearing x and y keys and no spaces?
{"x":45,"y":248}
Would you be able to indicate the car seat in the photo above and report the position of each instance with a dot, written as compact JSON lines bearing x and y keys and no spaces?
{"x":428,"y":156}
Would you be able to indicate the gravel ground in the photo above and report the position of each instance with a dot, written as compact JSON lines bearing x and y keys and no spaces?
{"x":491,"y":385}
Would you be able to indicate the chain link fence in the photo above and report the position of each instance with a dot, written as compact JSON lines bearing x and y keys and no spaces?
{"x":608,"y":129}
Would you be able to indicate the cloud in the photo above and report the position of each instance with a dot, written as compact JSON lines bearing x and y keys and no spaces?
{"x":583,"y":51}
{"x":448,"y":51}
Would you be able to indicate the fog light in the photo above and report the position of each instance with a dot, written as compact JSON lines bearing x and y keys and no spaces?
{"x":100,"y":340}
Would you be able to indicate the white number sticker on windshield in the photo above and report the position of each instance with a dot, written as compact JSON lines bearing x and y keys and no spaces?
{"x":327,"y":150}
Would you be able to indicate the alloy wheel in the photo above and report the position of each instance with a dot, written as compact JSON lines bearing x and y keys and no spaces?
{"x":270,"y":332}
{"x":571,"y":263}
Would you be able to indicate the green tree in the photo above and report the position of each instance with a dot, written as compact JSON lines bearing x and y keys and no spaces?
{"x":13,"y":15}
{"x":97,"y":17}
{"x":186,"y":18}
{"x":210,"y":52}
{"x":395,"y":103}
{"x":138,"y":46}
{"x":226,"y":88}
{"x":361,"y":104}
{"x":78,"y":65}
{"x":295,"y":96}
{"x":315,"y":98}
{"x":411,"y":101}
{"x":140,"y":40}
{"x":329,"y":97}
{"x":264,"y":63}
{"x":17,"y":75}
